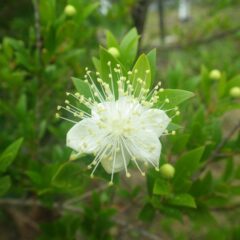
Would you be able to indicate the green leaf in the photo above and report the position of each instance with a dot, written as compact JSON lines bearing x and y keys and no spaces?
{"x":82,"y":87}
{"x":105,"y":70}
{"x":147,"y":213}
{"x":35,"y":177}
{"x":152,"y":58}
{"x":47,"y":10}
{"x":5,"y":184}
{"x":175,"y":97}
{"x":179,"y":142}
{"x":172,"y":213}
{"x":129,"y":47}
{"x":68,"y":176}
{"x":111,"y":40}
{"x":139,"y":71}
{"x":9,"y":155}
{"x":161,"y":187}
{"x":88,"y":10}
{"x":185,"y":167}
{"x":21,"y":107}
{"x":202,"y":186}
{"x":97,"y":64}
{"x":234,"y":82}
{"x":184,"y":200}
{"x":173,"y":126}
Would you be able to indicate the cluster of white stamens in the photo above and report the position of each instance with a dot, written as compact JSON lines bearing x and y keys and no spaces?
{"x":118,"y":123}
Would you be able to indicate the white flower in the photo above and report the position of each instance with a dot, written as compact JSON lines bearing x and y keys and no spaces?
{"x":120,"y":126}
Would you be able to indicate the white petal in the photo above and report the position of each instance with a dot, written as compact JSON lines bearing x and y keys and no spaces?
{"x":145,"y":146}
{"x":118,"y":164}
{"x":156,"y":120}
{"x":85,"y":136}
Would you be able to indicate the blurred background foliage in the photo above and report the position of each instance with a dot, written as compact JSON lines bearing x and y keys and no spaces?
{"x":45,"y":196}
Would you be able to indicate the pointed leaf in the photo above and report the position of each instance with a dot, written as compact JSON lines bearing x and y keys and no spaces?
{"x":184,"y":200}
{"x":175,"y":97}
{"x":82,"y":87}
{"x":185,"y":167}
{"x":161,"y":187}
{"x":152,"y":58}
{"x":9,"y":154}
{"x":111,"y":40}
{"x":139,"y":72}
{"x":129,"y":47}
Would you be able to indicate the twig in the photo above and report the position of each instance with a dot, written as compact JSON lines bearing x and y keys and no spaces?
{"x":85,"y":195}
{"x":226,"y":208}
{"x":37,"y":28}
{"x":219,"y":147}
{"x":223,"y":142}
{"x":201,"y":41}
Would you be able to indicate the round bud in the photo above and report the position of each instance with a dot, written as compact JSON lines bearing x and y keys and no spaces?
{"x":215,"y":74}
{"x":235,"y":92}
{"x":114,"y":52}
{"x":167,"y":171}
{"x":70,"y":10}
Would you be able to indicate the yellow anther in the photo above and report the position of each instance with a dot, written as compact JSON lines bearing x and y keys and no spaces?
{"x":128,"y":175}
{"x":89,"y":166}
{"x":110,"y":183}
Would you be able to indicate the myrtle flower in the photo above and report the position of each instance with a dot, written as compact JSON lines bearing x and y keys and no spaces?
{"x":119,"y":123}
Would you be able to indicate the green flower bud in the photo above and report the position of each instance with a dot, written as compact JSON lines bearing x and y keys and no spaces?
{"x":235,"y":92}
{"x":70,"y":10}
{"x":167,"y":171}
{"x":114,"y":52}
{"x":215,"y":74}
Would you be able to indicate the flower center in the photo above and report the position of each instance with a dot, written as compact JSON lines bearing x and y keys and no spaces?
{"x":121,"y":127}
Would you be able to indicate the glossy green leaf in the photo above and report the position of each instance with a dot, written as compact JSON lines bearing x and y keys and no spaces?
{"x":183,"y":200}
{"x":185,"y":167}
{"x":111,"y":40}
{"x":97,"y":64}
{"x":173,"y":126}
{"x":68,"y":176}
{"x":139,"y":72}
{"x":82,"y":87}
{"x":201,"y":187}
{"x":175,"y":96}
{"x":152,"y":58}
{"x":147,"y":213}
{"x":161,"y":187}
{"x":9,"y":155}
{"x":179,"y":142}
{"x":105,"y":70}
{"x":129,"y":47}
